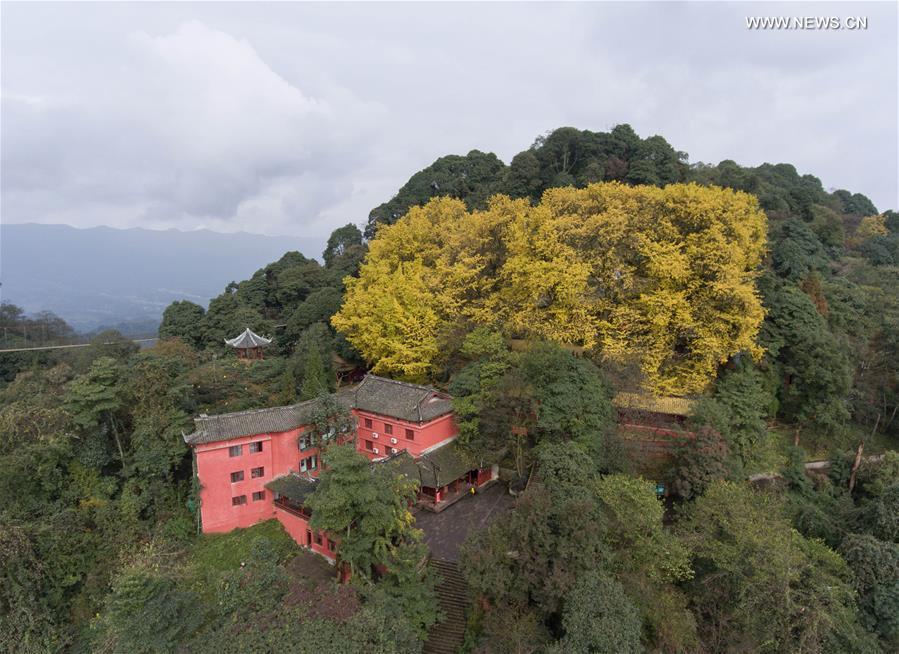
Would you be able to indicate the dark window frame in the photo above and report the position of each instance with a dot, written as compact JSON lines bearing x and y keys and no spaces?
{"x":235,"y":450}
{"x":256,"y":447}
{"x":256,"y":473}
{"x":237,"y":476}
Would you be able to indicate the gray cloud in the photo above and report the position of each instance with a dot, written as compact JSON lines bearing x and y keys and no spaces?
{"x":295,"y":118}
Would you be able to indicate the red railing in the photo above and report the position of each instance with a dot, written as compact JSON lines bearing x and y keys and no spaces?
{"x":292,"y":510}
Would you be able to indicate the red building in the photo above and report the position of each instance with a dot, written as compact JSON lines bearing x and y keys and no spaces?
{"x":261,"y":464}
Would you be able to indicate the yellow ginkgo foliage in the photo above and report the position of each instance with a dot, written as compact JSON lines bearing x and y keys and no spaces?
{"x":871,"y":226}
{"x":661,"y":276}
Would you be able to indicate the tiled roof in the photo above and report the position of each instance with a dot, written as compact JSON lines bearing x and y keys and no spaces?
{"x":401,"y":400}
{"x":434,"y":469}
{"x":248,"y":339}
{"x":443,"y":465}
{"x":374,"y":394}
{"x":675,"y":406}
{"x":293,"y":486}
{"x":211,"y":429}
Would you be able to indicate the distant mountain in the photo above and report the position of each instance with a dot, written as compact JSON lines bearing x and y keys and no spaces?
{"x":104,"y":276}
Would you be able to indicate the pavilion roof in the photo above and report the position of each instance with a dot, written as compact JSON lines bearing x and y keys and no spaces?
{"x":248,"y":339}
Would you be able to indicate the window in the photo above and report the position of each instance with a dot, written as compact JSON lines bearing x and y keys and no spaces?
{"x":367,"y":423}
{"x":255,"y":447}
{"x":258,"y":496}
{"x":235,"y":450}
{"x":237,"y":501}
{"x":390,"y":450}
{"x":309,"y":463}
{"x":369,"y":445}
{"x":410,"y":435}
{"x":305,"y":442}
{"x":331,"y":545}
{"x":318,"y":539}
{"x":237,"y":476}
{"x":257,"y":472}
{"x":388,"y":429}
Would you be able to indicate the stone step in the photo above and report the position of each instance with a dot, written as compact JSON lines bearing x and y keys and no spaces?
{"x":447,"y":636}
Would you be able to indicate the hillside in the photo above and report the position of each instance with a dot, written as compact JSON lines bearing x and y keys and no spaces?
{"x":104,"y":276}
{"x":774,"y":307}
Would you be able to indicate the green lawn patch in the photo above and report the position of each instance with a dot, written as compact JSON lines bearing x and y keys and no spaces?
{"x":213,"y":554}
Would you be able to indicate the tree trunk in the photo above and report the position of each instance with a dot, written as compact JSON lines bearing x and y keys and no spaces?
{"x":856,"y":464}
{"x":892,"y":417}
{"x":858,"y":455}
{"x":118,"y":442}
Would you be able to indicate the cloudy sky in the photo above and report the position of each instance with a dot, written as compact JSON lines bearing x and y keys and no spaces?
{"x":296,"y":118}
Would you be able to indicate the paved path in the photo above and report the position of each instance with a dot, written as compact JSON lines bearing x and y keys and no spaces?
{"x":445,"y":531}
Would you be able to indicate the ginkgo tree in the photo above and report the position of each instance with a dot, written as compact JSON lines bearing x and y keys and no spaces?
{"x":664,"y":277}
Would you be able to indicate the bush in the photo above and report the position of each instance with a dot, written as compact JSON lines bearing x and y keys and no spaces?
{"x":698,"y":462}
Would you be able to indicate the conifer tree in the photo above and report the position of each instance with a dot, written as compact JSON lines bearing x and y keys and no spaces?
{"x":314,"y":381}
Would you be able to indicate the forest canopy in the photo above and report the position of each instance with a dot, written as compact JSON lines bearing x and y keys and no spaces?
{"x":99,"y":542}
{"x":663,"y":277}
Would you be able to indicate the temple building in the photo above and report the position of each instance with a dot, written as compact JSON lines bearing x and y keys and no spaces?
{"x":261,"y":464}
{"x":651,"y":427}
{"x":249,"y":345}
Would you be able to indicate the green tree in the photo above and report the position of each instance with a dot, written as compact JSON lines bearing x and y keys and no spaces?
{"x":554,"y":535}
{"x":759,"y":584}
{"x":797,"y":251}
{"x":27,"y":624}
{"x":317,"y":308}
{"x":598,"y":618}
{"x":875,"y":577}
{"x":880,"y":515}
{"x":366,"y":507}
{"x":329,"y":419}
{"x":635,"y":533}
{"x":315,"y":345}
{"x":521,"y":400}
{"x":813,"y":364}
{"x":699,"y":461}
{"x":314,"y":380}
{"x":184,"y":320}
{"x":471,"y":178}
{"x":344,"y":250}
{"x":146,"y":612}
{"x":95,"y":401}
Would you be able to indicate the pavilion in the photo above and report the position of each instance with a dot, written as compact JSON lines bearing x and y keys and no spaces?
{"x":249,"y":345}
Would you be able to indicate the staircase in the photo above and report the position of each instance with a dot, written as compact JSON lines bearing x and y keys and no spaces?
{"x":447,"y":636}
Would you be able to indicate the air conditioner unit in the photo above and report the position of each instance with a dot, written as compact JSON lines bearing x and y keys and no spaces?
{"x":393,"y":440}
{"x":374,"y":434}
{"x":375,"y":450}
